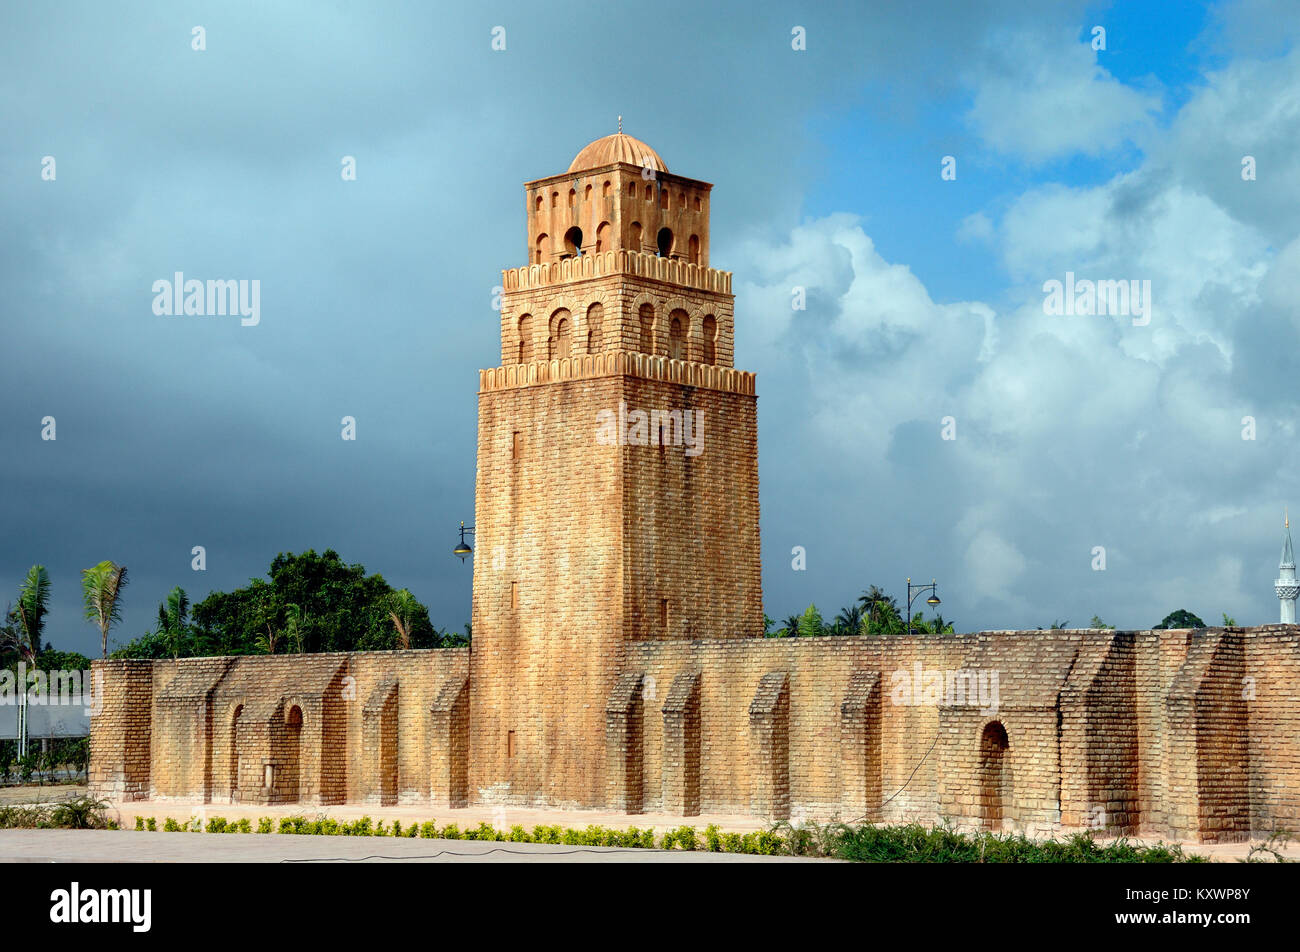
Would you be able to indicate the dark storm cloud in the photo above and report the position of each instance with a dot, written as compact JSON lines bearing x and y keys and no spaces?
{"x":376,"y":294}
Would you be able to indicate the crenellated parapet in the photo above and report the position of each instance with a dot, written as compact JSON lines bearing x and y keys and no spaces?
{"x":606,"y":263}
{"x":621,"y":364}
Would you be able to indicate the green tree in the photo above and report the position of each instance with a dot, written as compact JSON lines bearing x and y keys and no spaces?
{"x":33,"y":605}
{"x":789,"y":627}
{"x":308,"y":602}
{"x":847,"y":622}
{"x":1098,"y":623}
{"x":173,"y":623}
{"x":935,"y":626}
{"x":1180,"y":619}
{"x":403,"y":610}
{"x":101,"y":587}
{"x":1228,"y":620}
{"x":880,"y":609}
{"x":810,"y":623}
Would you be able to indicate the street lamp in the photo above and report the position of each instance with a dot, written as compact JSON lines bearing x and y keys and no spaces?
{"x":932,"y":588}
{"x":463,"y":548}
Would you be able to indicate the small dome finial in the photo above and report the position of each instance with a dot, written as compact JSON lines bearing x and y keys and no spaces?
{"x":620,"y":125}
{"x":1286,"y":518}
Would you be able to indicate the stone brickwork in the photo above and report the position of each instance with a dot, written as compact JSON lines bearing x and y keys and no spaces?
{"x":314,"y":729}
{"x":617,"y":659}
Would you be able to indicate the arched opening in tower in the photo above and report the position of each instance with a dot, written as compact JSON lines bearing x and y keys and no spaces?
{"x":573,"y":241}
{"x":665,"y":242}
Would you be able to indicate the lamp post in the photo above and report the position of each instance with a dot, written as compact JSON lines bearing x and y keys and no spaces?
{"x":463,"y":549}
{"x":933,"y":588}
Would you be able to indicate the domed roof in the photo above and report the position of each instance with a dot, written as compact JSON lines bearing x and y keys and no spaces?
{"x":616,"y":148}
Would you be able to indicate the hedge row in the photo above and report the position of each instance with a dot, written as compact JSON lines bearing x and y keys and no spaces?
{"x":762,"y":843}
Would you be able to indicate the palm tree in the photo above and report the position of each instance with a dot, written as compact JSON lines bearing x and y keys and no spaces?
{"x":810,"y":623}
{"x":101,"y":585}
{"x":791,"y":627}
{"x":877,"y":607}
{"x":27,"y":618}
{"x":171,"y":618}
{"x":266,"y":642}
{"x":13,"y":639}
{"x":936,"y":626}
{"x":848,"y":621}
{"x":293,"y":632}
{"x":402,"y":609}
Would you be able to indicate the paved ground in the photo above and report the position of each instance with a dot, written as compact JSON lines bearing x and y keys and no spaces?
{"x":128,"y":846}
{"x":499,"y":817}
{"x":42,"y":794}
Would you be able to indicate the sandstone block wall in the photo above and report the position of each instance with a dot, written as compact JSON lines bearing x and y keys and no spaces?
{"x":581,"y":546}
{"x":331,"y":728}
{"x":1175,"y":733}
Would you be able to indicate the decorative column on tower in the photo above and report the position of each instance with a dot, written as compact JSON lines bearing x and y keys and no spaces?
{"x":1286,"y":586}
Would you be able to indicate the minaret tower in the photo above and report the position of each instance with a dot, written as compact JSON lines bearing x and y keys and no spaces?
{"x":1286,"y":586}
{"x":617,"y":495}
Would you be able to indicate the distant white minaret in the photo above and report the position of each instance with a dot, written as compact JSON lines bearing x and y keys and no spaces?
{"x":1286,"y":586}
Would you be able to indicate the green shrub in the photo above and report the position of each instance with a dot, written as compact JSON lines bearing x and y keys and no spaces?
{"x":81,"y":813}
{"x":915,"y":843}
{"x":264,"y":824}
{"x":429,"y":830}
{"x":682,"y":838}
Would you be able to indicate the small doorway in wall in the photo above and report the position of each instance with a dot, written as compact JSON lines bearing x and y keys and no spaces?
{"x":992,"y":775}
{"x":292,"y":753}
{"x":234,"y":754}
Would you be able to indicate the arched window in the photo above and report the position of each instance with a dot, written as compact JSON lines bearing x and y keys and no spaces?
{"x":539,"y":203}
{"x":697,"y":203}
{"x":605,"y":189}
{"x":693,"y":249}
{"x":602,"y":236}
{"x":573,"y":241}
{"x":595,"y":318}
{"x":681,"y":200}
{"x":573,"y":197}
{"x":649,"y":193}
{"x":561,"y":334}
{"x":543,"y":247}
{"x":586,"y":194}
{"x":665,"y":242}
{"x":663,"y":198}
{"x":555,"y":199}
{"x":634,"y":237}
{"x":525,"y":338}
{"x":647,"y":316}
{"x":710,"y":339}
{"x":677,"y":322}
{"x":631,"y":189}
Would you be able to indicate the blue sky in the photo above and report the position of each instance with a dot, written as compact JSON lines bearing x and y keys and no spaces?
{"x":925,"y":295}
